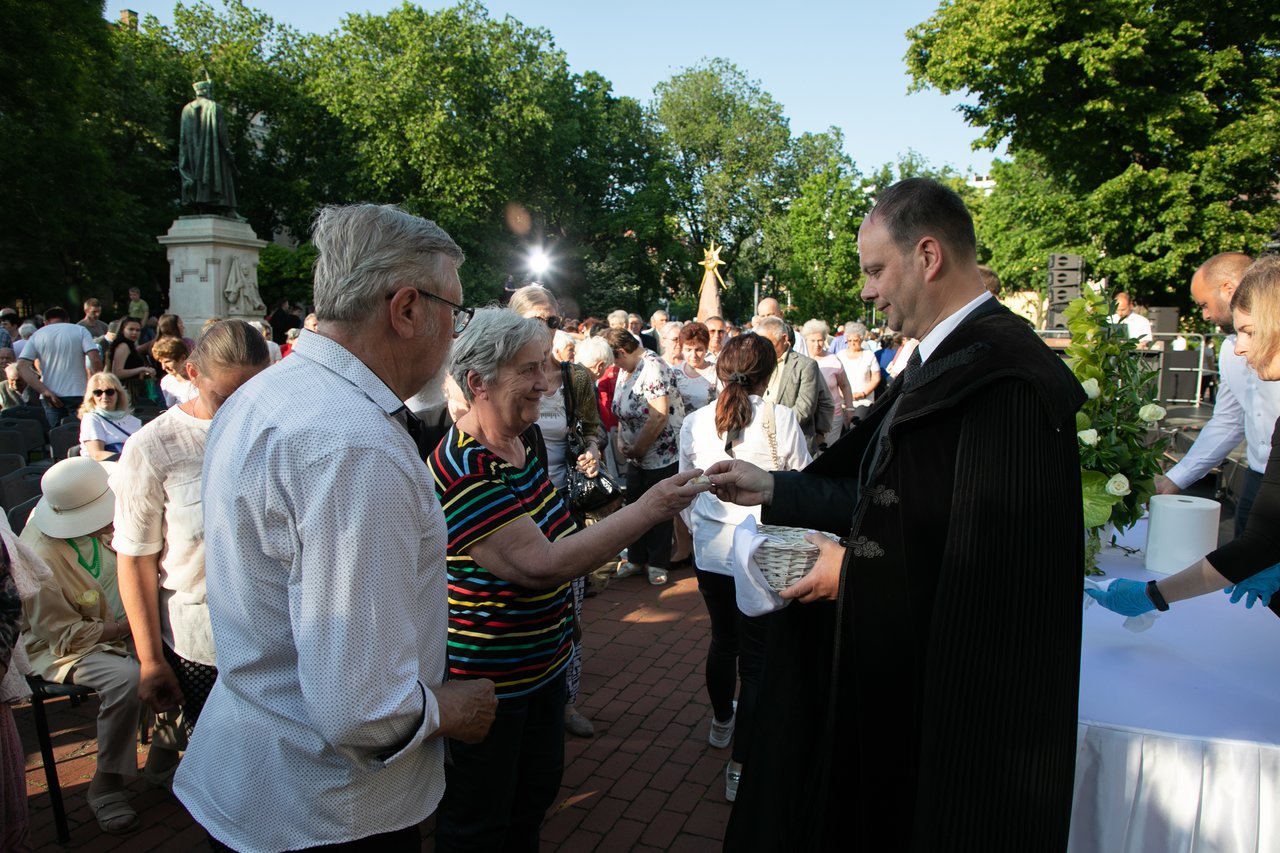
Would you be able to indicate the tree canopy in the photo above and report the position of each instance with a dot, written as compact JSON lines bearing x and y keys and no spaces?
{"x":1154,"y":127}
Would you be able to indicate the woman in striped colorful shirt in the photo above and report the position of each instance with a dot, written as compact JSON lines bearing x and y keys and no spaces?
{"x":510,"y":561}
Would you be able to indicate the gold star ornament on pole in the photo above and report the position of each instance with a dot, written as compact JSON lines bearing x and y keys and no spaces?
{"x":709,"y":295}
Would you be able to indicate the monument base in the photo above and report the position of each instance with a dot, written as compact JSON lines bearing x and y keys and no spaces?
{"x":213,"y":270}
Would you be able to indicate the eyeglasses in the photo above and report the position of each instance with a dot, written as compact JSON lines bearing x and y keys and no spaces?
{"x":461,"y":315}
{"x":101,"y":392}
{"x":553,"y":322}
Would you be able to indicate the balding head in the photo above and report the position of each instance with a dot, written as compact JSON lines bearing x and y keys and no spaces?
{"x":1215,"y":282}
{"x":769,"y":307}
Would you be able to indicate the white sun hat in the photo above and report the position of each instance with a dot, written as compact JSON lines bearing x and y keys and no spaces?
{"x":77,"y":500}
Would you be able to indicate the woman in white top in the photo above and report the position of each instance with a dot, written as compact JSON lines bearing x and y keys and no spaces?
{"x":171,"y":354}
{"x":862,"y":369}
{"x":695,"y":377}
{"x":815,"y":336}
{"x":159,"y":526}
{"x":739,"y":426}
{"x":106,"y":418}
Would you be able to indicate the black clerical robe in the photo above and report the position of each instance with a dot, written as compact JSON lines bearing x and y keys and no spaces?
{"x":935,"y":702}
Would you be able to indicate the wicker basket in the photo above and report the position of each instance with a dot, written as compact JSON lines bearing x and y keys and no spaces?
{"x":785,"y":557}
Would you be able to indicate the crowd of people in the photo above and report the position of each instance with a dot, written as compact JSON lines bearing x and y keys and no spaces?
{"x":402,"y":575}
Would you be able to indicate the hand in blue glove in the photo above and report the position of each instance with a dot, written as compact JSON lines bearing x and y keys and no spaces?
{"x":1126,"y":597}
{"x":1260,"y":587}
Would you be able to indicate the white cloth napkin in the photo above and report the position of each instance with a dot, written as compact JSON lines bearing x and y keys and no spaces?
{"x":755,"y":596}
{"x":1133,"y":623}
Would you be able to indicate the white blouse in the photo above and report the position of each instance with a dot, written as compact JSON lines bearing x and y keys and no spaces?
{"x":711,"y":520}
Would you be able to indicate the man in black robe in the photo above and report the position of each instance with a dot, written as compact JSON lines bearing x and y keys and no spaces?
{"x":922,"y":685}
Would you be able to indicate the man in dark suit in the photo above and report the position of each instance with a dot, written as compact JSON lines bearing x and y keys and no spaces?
{"x":796,"y":382}
{"x":925,"y":680}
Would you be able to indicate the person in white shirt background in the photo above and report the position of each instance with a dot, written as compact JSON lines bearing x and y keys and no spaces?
{"x":1139,"y":327}
{"x":1246,"y":407}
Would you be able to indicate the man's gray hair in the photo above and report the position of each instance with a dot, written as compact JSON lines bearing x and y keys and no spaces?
{"x":369,"y":250}
{"x":493,"y":338}
{"x":773,"y":328}
{"x":593,"y":350}
{"x":531,"y":297}
{"x":26,"y":330}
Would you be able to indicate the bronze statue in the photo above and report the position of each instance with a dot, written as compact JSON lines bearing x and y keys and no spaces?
{"x":204,"y":155}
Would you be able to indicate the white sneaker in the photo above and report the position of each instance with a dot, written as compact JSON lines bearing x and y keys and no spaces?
{"x":721,"y":733}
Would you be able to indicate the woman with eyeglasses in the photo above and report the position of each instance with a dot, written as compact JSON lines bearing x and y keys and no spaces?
{"x":106,"y":418}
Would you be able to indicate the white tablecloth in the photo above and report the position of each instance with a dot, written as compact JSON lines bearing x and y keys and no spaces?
{"x":1179,"y":737}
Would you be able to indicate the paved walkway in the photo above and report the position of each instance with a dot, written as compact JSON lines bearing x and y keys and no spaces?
{"x":648,"y":780}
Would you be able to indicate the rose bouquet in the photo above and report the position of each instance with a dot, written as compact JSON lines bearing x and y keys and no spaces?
{"x":1119,"y":460}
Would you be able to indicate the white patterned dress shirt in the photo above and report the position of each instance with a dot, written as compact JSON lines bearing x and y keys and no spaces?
{"x":1246,"y":408}
{"x":325,"y":555}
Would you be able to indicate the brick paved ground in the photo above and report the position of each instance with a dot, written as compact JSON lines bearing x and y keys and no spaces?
{"x":647,"y":781}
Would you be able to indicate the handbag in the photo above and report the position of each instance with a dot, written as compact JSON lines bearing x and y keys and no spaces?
{"x":585,"y":494}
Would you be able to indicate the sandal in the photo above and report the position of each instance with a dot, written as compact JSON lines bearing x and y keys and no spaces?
{"x":657,"y":576}
{"x":114,"y":813}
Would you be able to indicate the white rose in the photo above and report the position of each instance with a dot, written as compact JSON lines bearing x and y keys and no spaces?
{"x":1091,"y":388}
{"x":1151,"y":413}
{"x":1088,"y":436}
{"x":1118,"y":485}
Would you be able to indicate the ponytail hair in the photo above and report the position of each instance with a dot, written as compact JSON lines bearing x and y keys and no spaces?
{"x":744,"y":363}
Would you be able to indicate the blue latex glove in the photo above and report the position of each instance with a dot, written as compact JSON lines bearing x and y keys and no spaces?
{"x":1260,"y":587}
{"x":1126,"y":597}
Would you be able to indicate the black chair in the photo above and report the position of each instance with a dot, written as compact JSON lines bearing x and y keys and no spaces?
{"x":40,"y":691}
{"x":19,"y":514}
{"x":20,"y":486}
{"x":32,"y":434}
{"x":31,"y":413}
{"x":12,"y":441}
{"x":64,"y":437}
{"x":10,"y":462}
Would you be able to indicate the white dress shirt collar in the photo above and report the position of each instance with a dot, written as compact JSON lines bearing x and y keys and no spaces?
{"x":938,"y":334}
{"x":333,"y":356}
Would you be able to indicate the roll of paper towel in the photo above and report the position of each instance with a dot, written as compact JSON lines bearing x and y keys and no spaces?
{"x":1181,"y":531}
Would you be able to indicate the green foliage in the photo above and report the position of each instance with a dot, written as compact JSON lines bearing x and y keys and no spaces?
{"x":286,"y":273}
{"x":1118,"y":460}
{"x":1154,"y":126}
{"x":728,"y":143}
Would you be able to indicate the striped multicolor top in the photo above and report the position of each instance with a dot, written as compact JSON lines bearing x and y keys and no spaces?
{"x":516,"y":636}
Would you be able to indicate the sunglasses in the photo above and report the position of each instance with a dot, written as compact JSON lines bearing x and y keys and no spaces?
{"x":100,"y":392}
{"x":553,"y":322}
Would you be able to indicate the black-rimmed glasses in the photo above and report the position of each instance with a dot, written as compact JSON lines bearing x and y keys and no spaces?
{"x":98,"y":392}
{"x":461,"y":315}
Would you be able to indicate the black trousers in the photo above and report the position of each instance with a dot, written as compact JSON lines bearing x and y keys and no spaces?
{"x":737,"y":642}
{"x":653,"y":547}
{"x":407,"y":840}
{"x":498,"y":791}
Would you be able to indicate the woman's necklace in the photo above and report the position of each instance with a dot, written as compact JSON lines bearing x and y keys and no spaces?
{"x":94,"y":568}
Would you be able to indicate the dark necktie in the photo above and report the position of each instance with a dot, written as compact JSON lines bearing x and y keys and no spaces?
{"x":416,"y":432}
{"x":914,"y":363}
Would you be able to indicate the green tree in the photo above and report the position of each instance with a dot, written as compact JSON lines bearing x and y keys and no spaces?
{"x":1162,"y":119}
{"x":728,"y":143}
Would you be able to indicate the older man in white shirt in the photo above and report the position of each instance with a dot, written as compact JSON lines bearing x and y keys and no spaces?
{"x":1246,"y":408}
{"x":326,"y":565}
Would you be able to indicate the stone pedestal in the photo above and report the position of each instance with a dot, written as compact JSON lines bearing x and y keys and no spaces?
{"x":213,"y":270}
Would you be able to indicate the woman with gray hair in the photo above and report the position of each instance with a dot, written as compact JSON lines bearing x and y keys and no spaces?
{"x":511,"y":559}
{"x":861,"y":368}
{"x":815,"y":336}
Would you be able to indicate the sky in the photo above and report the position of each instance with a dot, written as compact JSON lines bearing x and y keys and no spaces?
{"x":826,"y":62}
